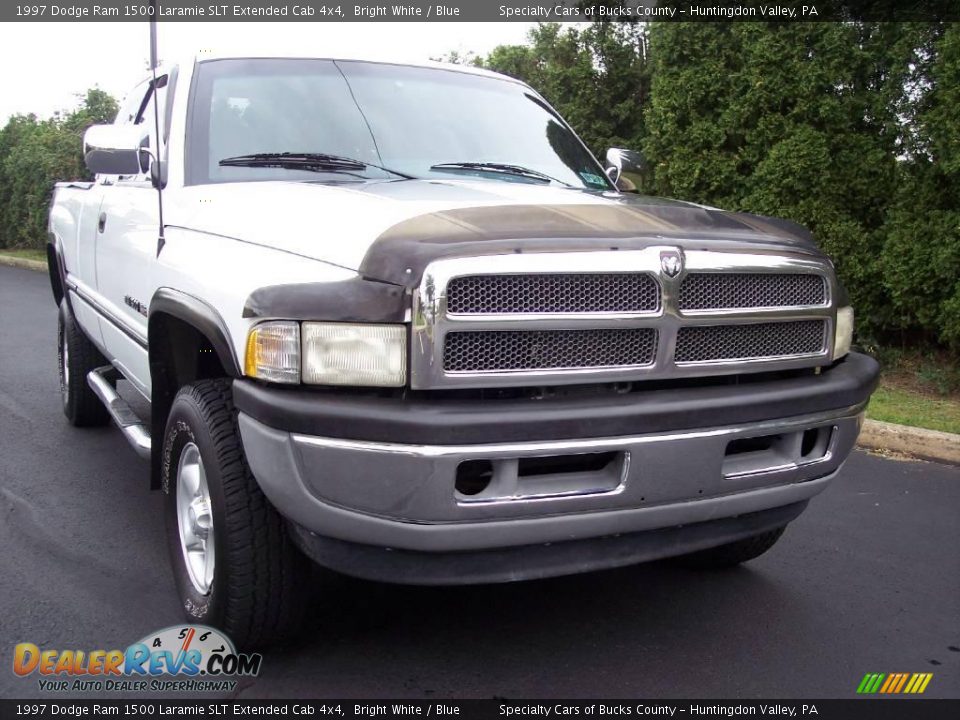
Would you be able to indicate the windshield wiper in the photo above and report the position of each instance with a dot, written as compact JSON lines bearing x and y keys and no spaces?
{"x":503,"y":168}
{"x":315,"y":162}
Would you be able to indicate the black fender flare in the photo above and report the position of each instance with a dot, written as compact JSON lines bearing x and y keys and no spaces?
{"x":56,"y":269}
{"x":200,"y":315}
{"x":208,"y":322}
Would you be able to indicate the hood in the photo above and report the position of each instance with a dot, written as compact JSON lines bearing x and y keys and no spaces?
{"x":382,"y":228}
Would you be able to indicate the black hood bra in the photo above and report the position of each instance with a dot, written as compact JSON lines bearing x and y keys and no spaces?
{"x":623,"y":222}
{"x":395,"y":261}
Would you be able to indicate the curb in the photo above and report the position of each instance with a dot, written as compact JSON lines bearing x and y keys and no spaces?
{"x":933,"y":445}
{"x":11,"y":261}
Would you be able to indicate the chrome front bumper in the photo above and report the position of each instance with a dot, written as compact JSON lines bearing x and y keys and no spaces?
{"x":404,"y":496}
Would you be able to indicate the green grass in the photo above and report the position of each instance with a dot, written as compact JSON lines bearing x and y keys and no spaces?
{"x":38,"y":255}
{"x":903,"y":406}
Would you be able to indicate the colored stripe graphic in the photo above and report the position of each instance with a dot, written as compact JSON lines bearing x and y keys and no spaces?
{"x":899,"y":679}
{"x":870,"y":683}
{"x":918,"y":683}
{"x":894,"y":683}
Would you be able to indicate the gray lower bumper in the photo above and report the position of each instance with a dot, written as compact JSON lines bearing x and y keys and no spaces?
{"x":534,"y":562}
{"x":403,"y":496}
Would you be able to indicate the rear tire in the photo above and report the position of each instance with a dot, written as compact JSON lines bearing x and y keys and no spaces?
{"x":731,"y":554}
{"x":252,"y":583}
{"x":77,"y":356}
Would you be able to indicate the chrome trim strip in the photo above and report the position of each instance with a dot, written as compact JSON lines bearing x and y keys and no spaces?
{"x":574,"y":447}
{"x":99,"y":305}
{"x":752,"y":361}
{"x":776,"y":310}
{"x":431,"y":322}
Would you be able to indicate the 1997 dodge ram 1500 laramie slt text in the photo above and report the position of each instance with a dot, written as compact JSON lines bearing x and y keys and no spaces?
{"x":397,"y":319}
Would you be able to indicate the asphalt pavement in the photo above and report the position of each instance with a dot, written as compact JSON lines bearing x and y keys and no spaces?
{"x":867,"y":580}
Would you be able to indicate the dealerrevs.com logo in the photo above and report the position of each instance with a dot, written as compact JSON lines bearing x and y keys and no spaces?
{"x":186,"y":658}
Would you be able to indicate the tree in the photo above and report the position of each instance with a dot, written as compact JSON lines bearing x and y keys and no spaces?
{"x":851,"y":129}
{"x":921,"y":255}
{"x":35,"y":154}
{"x":793,"y":120}
{"x":597,"y":77}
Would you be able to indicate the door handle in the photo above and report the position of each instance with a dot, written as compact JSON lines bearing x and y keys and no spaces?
{"x":102,"y":222}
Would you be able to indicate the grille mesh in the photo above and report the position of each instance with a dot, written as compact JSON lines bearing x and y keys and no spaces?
{"x":723,"y":291}
{"x":741,"y":342}
{"x":553,"y":293}
{"x":492,"y":351}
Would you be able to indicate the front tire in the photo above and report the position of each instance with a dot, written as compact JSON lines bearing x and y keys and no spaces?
{"x":234,"y":563}
{"x":76,"y":357}
{"x":731,"y":554}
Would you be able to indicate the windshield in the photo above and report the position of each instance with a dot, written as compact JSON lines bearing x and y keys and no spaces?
{"x":423,"y":122}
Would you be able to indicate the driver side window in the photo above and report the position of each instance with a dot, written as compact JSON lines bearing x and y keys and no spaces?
{"x":130,"y":106}
{"x":138,"y":109}
{"x":146,"y":115}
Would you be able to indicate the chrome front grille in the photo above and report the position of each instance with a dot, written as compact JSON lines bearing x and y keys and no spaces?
{"x":724,"y":291}
{"x":504,"y":350}
{"x":553,"y":293}
{"x":611,"y":316}
{"x":711,"y":343}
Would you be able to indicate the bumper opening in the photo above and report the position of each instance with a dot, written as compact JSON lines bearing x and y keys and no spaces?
{"x":473,"y":477}
{"x":526,"y":477}
{"x":768,"y":453}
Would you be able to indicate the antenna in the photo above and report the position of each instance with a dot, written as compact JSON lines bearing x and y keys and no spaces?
{"x":158,"y":178}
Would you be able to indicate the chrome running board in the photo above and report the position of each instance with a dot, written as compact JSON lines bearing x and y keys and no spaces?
{"x":102,"y":381}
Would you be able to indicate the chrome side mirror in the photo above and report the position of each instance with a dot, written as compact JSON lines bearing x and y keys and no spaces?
{"x":626,"y":169}
{"x":116,"y":149}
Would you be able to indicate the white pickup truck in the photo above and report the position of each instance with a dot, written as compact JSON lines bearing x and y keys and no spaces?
{"x":397,"y":319}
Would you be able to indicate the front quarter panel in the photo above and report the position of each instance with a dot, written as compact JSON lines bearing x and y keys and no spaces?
{"x":223,"y":272}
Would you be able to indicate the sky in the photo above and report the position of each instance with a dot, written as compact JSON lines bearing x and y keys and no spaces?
{"x":45,"y":66}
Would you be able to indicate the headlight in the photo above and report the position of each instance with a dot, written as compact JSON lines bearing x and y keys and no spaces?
{"x":341,"y":354}
{"x":844,"y":334}
{"x":328,"y":353}
{"x":273,"y":352}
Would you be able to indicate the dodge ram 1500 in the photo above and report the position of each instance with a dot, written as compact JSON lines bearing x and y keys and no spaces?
{"x":398,"y":319}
